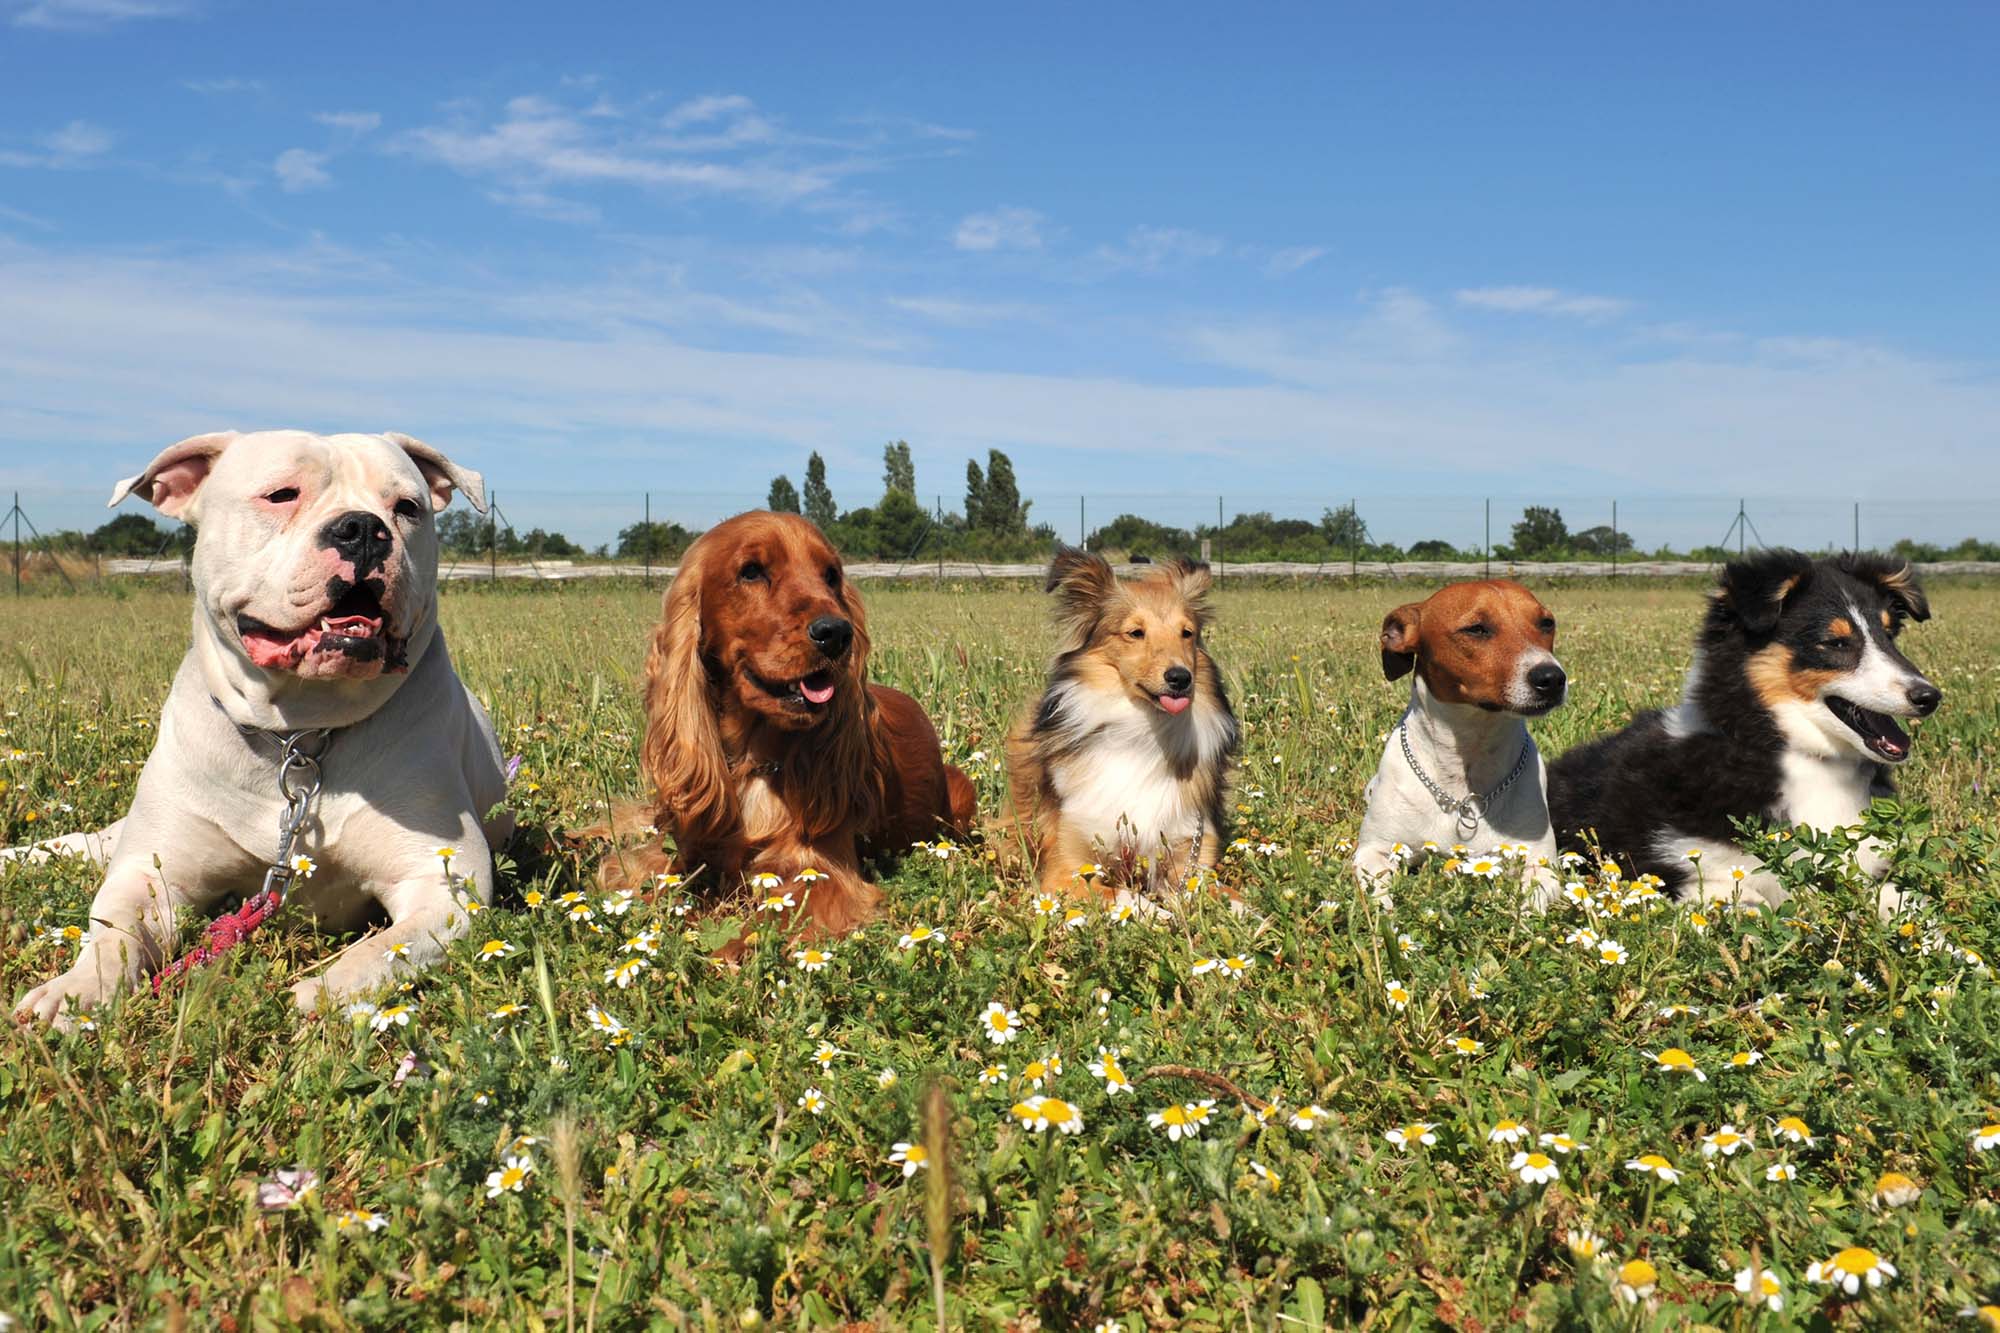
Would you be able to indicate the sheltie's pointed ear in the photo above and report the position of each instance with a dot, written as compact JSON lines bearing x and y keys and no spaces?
{"x":1895,"y":577}
{"x":1754,"y":590}
{"x":1082,"y":582}
{"x":1192,"y":580}
{"x":1399,"y":640}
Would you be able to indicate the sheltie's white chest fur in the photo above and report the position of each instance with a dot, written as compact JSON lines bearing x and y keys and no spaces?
{"x":1132,"y":777}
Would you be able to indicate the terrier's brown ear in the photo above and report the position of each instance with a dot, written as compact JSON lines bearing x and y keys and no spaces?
{"x":1399,"y":640}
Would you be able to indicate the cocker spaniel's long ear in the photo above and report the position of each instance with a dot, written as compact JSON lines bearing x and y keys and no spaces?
{"x":683,"y":748}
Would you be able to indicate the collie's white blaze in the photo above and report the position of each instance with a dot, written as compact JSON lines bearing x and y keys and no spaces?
{"x":1118,"y":786}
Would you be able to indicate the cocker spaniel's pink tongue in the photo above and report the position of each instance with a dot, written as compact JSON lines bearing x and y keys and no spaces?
{"x":817,"y":688}
{"x":1175,"y":703}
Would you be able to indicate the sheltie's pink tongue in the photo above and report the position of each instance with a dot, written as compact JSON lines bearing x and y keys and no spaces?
{"x":1175,"y":703}
{"x":817,"y":694}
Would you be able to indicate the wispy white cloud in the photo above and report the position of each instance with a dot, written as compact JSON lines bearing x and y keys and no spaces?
{"x":547,"y":386}
{"x":965,"y":314}
{"x":999,"y":229}
{"x":76,"y":144}
{"x":1292,"y":258}
{"x":221,"y":87}
{"x":351,"y":122}
{"x":79,"y":138}
{"x":1541,"y":301}
{"x":535,"y":143}
{"x":301,"y":169}
{"x":1149,"y":249}
{"x":87,"y":14}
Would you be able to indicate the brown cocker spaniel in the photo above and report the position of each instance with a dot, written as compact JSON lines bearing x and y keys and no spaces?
{"x":769,"y":750}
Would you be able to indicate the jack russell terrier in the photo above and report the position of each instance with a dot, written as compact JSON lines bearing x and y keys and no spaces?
{"x":1460,"y":768}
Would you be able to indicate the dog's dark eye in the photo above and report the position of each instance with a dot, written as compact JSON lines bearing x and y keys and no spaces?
{"x":1477,"y":631}
{"x":284,"y":495}
{"x":752,"y":572}
{"x":1187,"y":634}
{"x":833,"y":576}
{"x":1135,"y":633}
{"x":1547,"y":624}
{"x":408,"y":509}
{"x":1833,"y":645}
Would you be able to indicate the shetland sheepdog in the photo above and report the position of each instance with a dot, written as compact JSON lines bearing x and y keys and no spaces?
{"x":1790,"y":714}
{"x":1123,"y":763}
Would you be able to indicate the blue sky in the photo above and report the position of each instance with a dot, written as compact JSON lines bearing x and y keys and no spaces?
{"x":1416,"y":254}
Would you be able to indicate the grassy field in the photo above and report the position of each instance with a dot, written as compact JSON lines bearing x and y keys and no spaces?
{"x":727,"y":1161}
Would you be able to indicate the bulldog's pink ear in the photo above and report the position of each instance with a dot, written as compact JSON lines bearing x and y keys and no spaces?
{"x":170,"y":480}
{"x":441,"y":473}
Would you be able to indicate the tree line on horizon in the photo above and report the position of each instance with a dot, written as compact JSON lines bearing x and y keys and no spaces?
{"x":993,"y":525}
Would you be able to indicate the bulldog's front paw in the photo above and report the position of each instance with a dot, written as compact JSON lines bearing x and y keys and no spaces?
{"x":50,"y":1002}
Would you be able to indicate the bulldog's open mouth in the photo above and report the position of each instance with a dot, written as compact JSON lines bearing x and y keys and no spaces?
{"x":807,"y":693}
{"x":1878,"y":731}
{"x":351,"y":627}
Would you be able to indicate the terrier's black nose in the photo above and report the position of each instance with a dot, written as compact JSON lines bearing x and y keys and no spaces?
{"x":1547,"y":680}
{"x":1179,"y":678}
{"x":1925,"y":697}
{"x":359,"y":537}
{"x":831,"y":635}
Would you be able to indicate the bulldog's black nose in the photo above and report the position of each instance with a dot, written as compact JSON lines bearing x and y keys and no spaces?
{"x":1179,"y":678}
{"x":831,"y":635}
{"x":360,"y":537}
{"x":1925,"y":697}
{"x":1547,"y":681}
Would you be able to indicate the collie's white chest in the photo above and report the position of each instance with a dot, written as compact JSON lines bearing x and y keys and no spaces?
{"x":1823,"y":793}
{"x":1119,"y":791}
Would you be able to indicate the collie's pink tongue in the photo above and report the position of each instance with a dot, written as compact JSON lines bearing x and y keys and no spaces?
{"x":817,"y":694}
{"x":1175,"y":703}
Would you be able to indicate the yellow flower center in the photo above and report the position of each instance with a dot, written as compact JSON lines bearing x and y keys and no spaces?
{"x":1856,"y":1260}
{"x":1637,"y":1273}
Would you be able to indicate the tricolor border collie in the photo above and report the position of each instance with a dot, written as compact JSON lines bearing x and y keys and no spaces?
{"x":1789,"y":714}
{"x":1123,"y":762}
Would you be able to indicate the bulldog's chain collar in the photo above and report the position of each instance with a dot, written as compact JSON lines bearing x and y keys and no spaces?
{"x":299,"y":783}
{"x":1469,"y":809}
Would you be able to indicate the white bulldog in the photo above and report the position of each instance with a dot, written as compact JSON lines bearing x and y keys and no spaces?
{"x":315,"y":606}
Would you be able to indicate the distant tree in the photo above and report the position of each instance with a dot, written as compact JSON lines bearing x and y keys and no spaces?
{"x":553,"y":544}
{"x":819,"y":505}
{"x":1141,"y":536}
{"x":137,"y":535}
{"x":1344,"y":528}
{"x":1601,"y":540}
{"x":975,"y":496}
{"x":784,"y":497}
{"x":668,"y":541}
{"x":900,"y":523}
{"x":462,"y":532}
{"x":1433,"y":550}
{"x":899,"y":471}
{"x":1002,"y":510}
{"x":1540,"y":532}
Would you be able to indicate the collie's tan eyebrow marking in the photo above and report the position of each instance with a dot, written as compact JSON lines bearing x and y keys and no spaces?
{"x":1888,"y":621}
{"x":1840,"y":627}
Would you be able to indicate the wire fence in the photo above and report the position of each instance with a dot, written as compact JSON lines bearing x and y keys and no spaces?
{"x":66,"y":538}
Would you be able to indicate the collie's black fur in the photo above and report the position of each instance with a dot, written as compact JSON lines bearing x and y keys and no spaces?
{"x":1793,"y":652}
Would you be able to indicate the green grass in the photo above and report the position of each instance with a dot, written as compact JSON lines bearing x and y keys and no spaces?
{"x":700,"y":1194}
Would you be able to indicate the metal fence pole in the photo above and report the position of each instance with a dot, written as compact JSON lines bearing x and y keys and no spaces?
{"x":1218,"y":539}
{"x":1857,"y":527}
{"x":493,"y":537}
{"x":1082,"y":525}
{"x":1353,"y":539}
{"x":1489,"y":538}
{"x":649,"y":539}
{"x":1614,"y":539}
